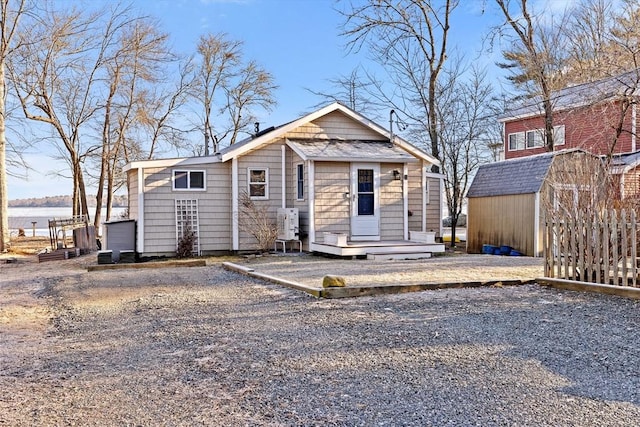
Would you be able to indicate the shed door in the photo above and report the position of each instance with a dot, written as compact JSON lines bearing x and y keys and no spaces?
{"x":365,"y":201}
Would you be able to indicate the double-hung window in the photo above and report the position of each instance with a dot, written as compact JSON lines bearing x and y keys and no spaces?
{"x":189,"y":180}
{"x":258,"y":183}
{"x":558,"y":135}
{"x":535,"y":138}
{"x":516,"y":141}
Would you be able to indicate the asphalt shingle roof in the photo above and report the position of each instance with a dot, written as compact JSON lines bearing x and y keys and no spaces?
{"x":350,"y":149}
{"x":517,"y":176}
{"x":579,"y":95}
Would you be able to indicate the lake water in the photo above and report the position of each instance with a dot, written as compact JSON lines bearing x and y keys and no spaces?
{"x":23,"y":218}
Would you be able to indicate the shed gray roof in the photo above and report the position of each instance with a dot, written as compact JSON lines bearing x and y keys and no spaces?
{"x":517,"y":176}
{"x":579,"y":95}
{"x":350,"y":150}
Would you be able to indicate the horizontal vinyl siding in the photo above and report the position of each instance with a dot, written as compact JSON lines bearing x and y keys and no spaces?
{"x":434,"y":207}
{"x":334,"y":125}
{"x":269,"y":157}
{"x":331,"y":206}
{"x":391,"y":205}
{"x":415,"y":196}
{"x":292,"y":191}
{"x":501,"y":220}
{"x":214,"y":209}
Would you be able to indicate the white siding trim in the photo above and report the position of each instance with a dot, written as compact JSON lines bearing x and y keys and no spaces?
{"x":284,"y":177}
{"x":424,"y":196}
{"x":443,"y":199}
{"x":311,"y":171}
{"x":140,"y":239}
{"x":405,"y":201}
{"x":536,"y":225}
{"x":634,"y":118}
{"x":235,"y":232}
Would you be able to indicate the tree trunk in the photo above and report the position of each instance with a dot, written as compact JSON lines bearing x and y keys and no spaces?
{"x":4,"y":196}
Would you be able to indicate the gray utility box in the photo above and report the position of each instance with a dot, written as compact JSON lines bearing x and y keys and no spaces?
{"x":119,"y":236}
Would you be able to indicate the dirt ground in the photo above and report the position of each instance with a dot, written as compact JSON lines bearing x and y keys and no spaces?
{"x":204,"y":346}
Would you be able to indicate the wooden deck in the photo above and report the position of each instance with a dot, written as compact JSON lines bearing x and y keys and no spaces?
{"x":399,"y":249}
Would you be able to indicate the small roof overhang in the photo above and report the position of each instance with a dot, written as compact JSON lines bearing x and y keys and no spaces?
{"x":350,"y":151}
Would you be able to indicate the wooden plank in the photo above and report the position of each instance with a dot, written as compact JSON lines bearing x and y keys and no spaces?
{"x":567,"y":249}
{"x":558,"y":248}
{"x":597,"y":246}
{"x":606,"y":243}
{"x":581,"y":264}
{"x":614,"y":246}
{"x":634,"y":249}
{"x":624,"y":248}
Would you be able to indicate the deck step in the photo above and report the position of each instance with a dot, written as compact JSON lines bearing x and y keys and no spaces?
{"x":381,"y":256}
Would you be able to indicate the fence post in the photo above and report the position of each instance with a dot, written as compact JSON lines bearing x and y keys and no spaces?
{"x":614,"y":246}
{"x":634,"y":250}
{"x":606,"y":241}
{"x":624,"y":251}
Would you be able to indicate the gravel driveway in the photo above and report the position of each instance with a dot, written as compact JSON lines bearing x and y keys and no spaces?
{"x":204,"y":346}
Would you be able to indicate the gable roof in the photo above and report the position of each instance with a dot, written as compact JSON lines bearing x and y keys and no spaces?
{"x":524,"y":175}
{"x":366,"y":153}
{"x":242,"y":147}
{"x":579,"y":95}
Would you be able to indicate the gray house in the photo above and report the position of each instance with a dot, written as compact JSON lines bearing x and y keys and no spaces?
{"x":355,"y":190}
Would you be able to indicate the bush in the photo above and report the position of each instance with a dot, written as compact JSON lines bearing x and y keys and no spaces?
{"x":186,"y":243}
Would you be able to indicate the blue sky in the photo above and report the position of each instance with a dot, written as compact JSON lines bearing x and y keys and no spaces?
{"x":297,"y":41}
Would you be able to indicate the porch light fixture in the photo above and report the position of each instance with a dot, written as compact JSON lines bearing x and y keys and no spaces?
{"x":396,"y":175}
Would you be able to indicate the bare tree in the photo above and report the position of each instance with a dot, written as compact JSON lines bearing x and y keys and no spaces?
{"x":351,"y":90}
{"x":466,"y":123}
{"x":410,"y":39}
{"x":219,"y":59}
{"x":54,"y":80}
{"x":536,"y":56}
{"x":253,"y":88}
{"x":9,"y":19}
{"x":138,"y":62}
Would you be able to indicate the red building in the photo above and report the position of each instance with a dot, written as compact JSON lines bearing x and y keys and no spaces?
{"x":599,"y":117}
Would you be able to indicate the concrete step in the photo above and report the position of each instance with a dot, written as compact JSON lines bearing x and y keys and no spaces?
{"x":397,"y":256}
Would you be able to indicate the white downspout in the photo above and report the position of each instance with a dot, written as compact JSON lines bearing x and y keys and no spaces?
{"x":140,"y":239}
{"x":405,"y":201}
{"x":312,"y":196}
{"x":284,"y":178}
{"x":235,"y":232}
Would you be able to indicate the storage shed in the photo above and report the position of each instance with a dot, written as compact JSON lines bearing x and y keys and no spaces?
{"x":508,"y":200}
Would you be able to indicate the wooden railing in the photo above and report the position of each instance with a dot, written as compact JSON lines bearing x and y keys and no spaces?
{"x":601,"y":248}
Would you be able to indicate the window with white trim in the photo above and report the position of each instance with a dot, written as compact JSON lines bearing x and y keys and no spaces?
{"x":184,"y":180}
{"x":258,"y":183}
{"x":516,"y":141}
{"x":558,"y":135}
{"x":535,"y":138}
{"x":300,"y":181}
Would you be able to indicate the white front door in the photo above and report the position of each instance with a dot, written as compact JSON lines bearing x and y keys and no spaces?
{"x":365,"y":201}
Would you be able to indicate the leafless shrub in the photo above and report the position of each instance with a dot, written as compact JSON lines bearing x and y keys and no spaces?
{"x":256,"y":221}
